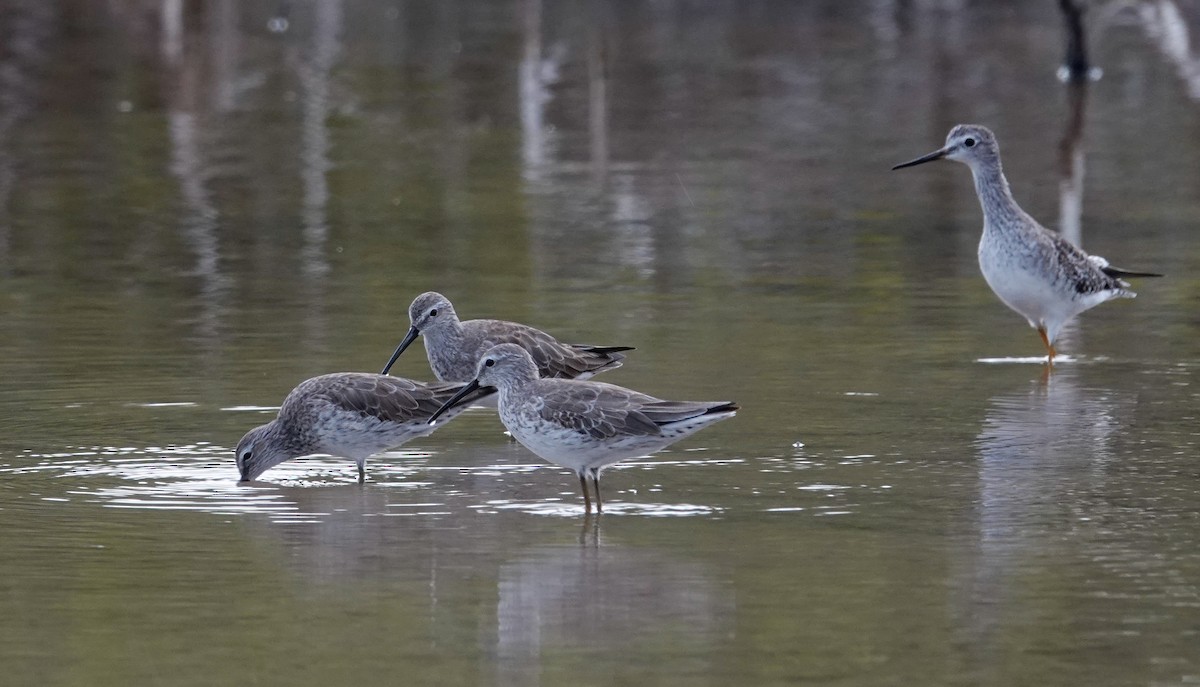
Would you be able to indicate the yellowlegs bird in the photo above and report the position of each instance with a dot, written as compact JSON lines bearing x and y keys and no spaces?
{"x":454,"y":347}
{"x":349,"y":414}
{"x":584,"y":426}
{"x":1033,"y":270}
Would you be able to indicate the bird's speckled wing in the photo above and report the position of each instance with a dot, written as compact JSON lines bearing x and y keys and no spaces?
{"x":388,"y":398}
{"x":604,"y":410}
{"x":1079,"y":269}
{"x":598,"y":410}
{"x":553,"y":358}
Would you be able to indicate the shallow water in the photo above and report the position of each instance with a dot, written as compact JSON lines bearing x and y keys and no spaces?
{"x":194,"y":220}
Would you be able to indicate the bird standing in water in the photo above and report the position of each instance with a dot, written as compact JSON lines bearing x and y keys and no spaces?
{"x":1035,"y":271}
{"x":351,"y":414}
{"x":454,"y":346}
{"x":584,"y":426}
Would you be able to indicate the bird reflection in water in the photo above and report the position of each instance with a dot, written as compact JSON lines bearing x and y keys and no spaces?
{"x":1043,"y":453}
{"x":557,"y":601}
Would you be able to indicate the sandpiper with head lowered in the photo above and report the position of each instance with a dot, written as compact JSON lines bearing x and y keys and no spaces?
{"x":454,"y":347}
{"x":349,"y":414}
{"x":581,"y":425}
{"x":1035,"y":271}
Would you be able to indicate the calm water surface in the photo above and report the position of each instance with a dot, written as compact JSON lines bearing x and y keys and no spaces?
{"x":203,"y":203}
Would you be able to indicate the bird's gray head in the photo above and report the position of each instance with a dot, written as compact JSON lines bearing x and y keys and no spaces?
{"x":505,"y":364}
{"x":431,"y":310}
{"x":970,"y":144}
{"x":259,"y":450}
{"x":501,"y":366}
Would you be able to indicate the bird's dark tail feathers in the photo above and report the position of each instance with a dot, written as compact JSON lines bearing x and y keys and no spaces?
{"x":604,"y":350}
{"x":723,"y":408}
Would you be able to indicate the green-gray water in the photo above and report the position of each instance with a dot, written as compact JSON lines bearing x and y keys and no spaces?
{"x":203,"y":203}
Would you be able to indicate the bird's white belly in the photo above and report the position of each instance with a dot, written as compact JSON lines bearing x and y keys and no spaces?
{"x":1020,"y":282}
{"x":354,"y":436}
{"x":572,"y":449}
{"x":1021,"y":291}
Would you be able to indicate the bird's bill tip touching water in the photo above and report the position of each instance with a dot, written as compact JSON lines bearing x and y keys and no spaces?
{"x":935,"y":155}
{"x":454,"y":400}
{"x":410,"y":337}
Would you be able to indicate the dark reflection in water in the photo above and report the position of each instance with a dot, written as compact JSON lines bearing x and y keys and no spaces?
{"x":1072,"y":156}
{"x":25,"y":36}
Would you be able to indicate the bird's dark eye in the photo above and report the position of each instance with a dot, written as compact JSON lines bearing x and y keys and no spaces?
{"x":433,"y":313}
{"x":970,"y":143}
{"x":245,"y":456}
{"x":489,"y":363}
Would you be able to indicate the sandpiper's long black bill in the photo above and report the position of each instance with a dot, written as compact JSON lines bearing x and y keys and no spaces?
{"x":410,"y":337}
{"x":1119,"y":273}
{"x":935,"y":155}
{"x":454,"y":400}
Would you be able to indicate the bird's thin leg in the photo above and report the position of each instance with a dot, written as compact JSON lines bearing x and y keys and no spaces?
{"x":1050,"y":352}
{"x":362,"y":471}
{"x":587,"y":500}
{"x":596,"y":482}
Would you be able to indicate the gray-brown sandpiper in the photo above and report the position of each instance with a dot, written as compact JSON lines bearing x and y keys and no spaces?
{"x":454,"y":346}
{"x":582,"y":425}
{"x":351,"y":414}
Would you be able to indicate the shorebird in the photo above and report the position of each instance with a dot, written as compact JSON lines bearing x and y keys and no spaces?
{"x":351,"y":414}
{"x":1035,"y":271}
{"x":454,"y":347}
{"x":584,"y":426}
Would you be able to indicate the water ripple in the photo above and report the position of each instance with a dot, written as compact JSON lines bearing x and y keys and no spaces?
{"x":201,"y":477}
{"x":573,"y":510}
